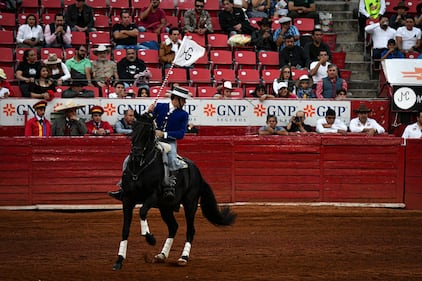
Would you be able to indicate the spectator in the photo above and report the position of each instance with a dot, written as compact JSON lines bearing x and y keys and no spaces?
{"x":224,"y":91}
{"x":30,"y":34}
{"x":197,"y":20}
{"x":286,"y":76}
{"x":76,"y":90}
{"x":58,"y":33}
{"x":293,"y":55}
{"x":80,"y":66}
{"x":271,"y":128}
{"x":119,"y":91}
{"x":262,"y":39}
{"x":233,"y":20}
{"x":363,"y":124}
{"x":297,"y":123}
{"x":319,"y":68}
{"x":69,"y":124}
{"x":369,"y":9}
{"x":258,"y":8}
{"x":312,"y":49}
{"x":125,"y":33}
{"x":414,"y":131}
{"x":142,"y":79}
{"x":38,"y":126}
{"x":96,"y":126}
{"x":124,"y":125}
{"x":408,"y":37}
{"x":169,"y":47}
{"x":57,"y":70}
{"x":27,"y":70}
{"x":330,"y":124}
{"x":261,"y":93}
{"x":129,"y":66}
{"x":380,"y":33}
{"x":143,"y":93}
{"x":303,"y":9}
{"x":328,"y":86}
{"x":104,"y":71}
{"x":153,"y":18}
{"x":399,"y":19}
{"x":279,"y":8}
{"x":285,"y":30}
{"x":304,"y":89}
{"x":341,"y":94}
{"x":80,"y":17}
{"x":281,"y":91}
{"x":43,"y":87}
{"x":391,"y":52}
{"x":6,"y":89}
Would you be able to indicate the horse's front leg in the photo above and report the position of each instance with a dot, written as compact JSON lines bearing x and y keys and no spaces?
{"x":172,"y":226}
{"x":143,"y":212}
{"x":127,"y":220}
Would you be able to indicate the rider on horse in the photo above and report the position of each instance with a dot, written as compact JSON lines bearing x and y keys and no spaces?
{"x":171,"y":121}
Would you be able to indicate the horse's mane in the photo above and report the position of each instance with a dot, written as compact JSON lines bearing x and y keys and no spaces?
{"x":143,"y":131}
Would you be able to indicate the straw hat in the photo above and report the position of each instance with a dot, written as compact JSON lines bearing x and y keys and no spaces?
{"x":284,"y":20}
{"x":101,"y":48}
{"x":2,"y":74}
{"x":401,"y":5}
{"x":180,"y":92}
{"x":68,"y":105}
{"x":228,"y":85}
{"x":52,"y":59}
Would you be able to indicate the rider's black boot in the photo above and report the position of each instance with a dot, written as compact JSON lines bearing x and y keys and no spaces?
{"x":118,"y":194}
{"x":169,"y":191}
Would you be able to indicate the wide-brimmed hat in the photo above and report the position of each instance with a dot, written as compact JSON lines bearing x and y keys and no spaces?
{"x":40,"y":104}
{"x":101,"y":48}
{"x":401,"y":5}
{"x":362,"y":109}
{"x":180,"y":92}
{"x":228,"y":85}
{"x":2,"y":74}
{"x":284,"y":19}
{"x":304,"y":77}
{"x":96,"y":109}
{"x":52,"y":59}
{"x":266,"y":21}
{"x":68,"y":105}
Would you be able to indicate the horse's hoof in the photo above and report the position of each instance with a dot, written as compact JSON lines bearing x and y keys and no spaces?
{"x":160,"y":258}
{"x":150,"y":239}
{"x":119,"y":263}
{"x":183,"y":261}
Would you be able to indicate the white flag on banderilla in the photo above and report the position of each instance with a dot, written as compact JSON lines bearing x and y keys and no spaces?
{"x":188,"y":53}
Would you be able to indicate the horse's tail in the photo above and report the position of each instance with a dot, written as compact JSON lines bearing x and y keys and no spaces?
{"x":210,"y":209}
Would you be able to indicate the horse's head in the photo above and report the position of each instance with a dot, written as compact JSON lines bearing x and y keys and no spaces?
{"x":143,"y":131}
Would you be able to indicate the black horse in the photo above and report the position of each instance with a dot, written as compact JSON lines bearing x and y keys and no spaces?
{"x":142,"y":182}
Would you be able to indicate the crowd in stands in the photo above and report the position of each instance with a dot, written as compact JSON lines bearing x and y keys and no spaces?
{"x":137,"y":44}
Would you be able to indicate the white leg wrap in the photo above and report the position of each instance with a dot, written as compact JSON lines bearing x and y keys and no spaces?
{"x":144,"y":227}
{"x":167,"y":247}
{"x":123,"y":248}
{"x":186,"y":249}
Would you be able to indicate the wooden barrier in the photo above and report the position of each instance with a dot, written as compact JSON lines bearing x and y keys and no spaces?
{"x":303,"y":168}
{"x":413,"y":174}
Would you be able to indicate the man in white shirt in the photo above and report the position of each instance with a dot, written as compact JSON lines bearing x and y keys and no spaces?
{"x":414,"y":131}
{"x":408,"y":37}
{"x":363,"y":124}
{"x":329,"y":124}
{"x":380,"y":34}
{"x":318,"y":69}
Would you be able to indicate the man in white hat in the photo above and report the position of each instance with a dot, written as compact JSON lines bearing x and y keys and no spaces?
{"x":285,"y":29}
{"x":171,"y":122}
{"x":103,"y":69}
{"x":224,"y":91}
{"x":70,"y":124}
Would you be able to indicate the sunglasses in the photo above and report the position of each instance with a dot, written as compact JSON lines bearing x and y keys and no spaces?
{"x":199,"y":6}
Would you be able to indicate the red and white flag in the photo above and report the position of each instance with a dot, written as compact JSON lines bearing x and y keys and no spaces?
{"x":188,"y":53}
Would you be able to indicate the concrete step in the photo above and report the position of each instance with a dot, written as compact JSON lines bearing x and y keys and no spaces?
{"x":357,"y":65}
{"x":345,"y":25}
{"x":360,"y":75}
{"x":363,"y":93}
{"x":349,"y":46}
{"x":350,"y":35}
{"x":334,"y":6}
{"x":354,"y":56}
{"x":342,"y":15}
{"x":364,"y":84}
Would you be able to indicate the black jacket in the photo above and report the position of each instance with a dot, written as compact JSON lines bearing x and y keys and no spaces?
{"x":294,"y":57}
{"x":71,"y":17}
{"x":228,"y":20}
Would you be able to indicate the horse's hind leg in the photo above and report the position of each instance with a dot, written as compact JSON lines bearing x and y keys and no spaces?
{"x":172,"y":226}
{"x":127,"y":219}
{"x":190,"y":233}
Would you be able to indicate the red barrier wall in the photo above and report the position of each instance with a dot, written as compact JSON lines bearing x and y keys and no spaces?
{"x":413,"y":174}
{"x":304,"y":168}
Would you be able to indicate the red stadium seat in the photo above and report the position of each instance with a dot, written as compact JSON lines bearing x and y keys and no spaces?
{"x":69,"y":53}
{"x":168,"y":7}
{"x":205,"y":91}
{"x":200,"y":76}
{"x":268,"y":75}
{"x":29,"y":6}
{"x":217,"y":41}
{"x":101,"y":22}
{"x":10,"y":72}
{"x":200,"y":39}
{"x":78,"y":38}
{"x":51,"y":6}
{"x":216,"y":24}
{"x":221,"y":59}
{"x":224,"y":75}
{"x":172,"y":21}
{"x":268,"y":60}
{"x":46,"y":51}
{"x":119,"y":54}
{"x":6,"y":56}
{"x":237,"y":93}
{"x":254,"y":22}
{"x":244,"y":59}
{"x":99,"y":6}
{"x":153,"y":91}
{"x":330,"y":39}
{"x":177,"y":75}
{"x":346,"y":74}
{"x":147,"y":36}
{"x":150,"y":57}
{"x":8,"y":21}
{"x":47,"y":18}
{"x":296,"y":73}
{"x":157,"y":76}
{"x":305,"y":25}
{"x":248,"y":77}
{"x":7,"y":38}
{"x":99,"y":37}
{"x":339,"y":59}
{"x":116,"y":6}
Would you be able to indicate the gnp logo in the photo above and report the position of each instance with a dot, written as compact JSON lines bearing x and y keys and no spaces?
{"x":9,"y":109}
{"x":224,"y":110}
